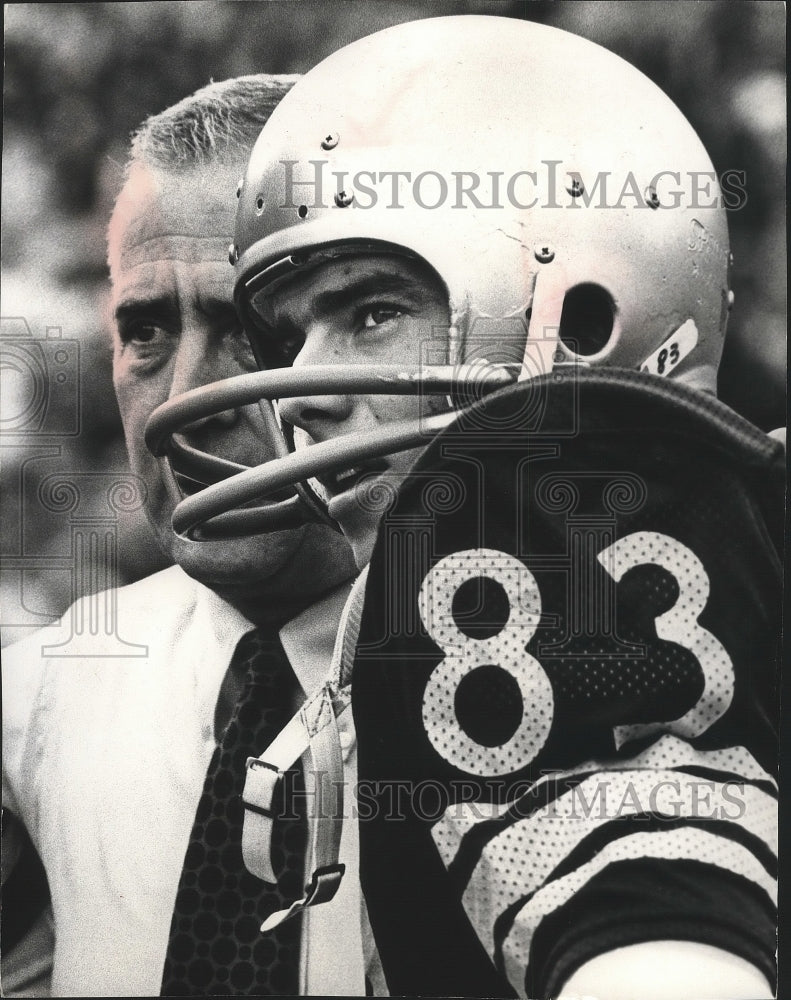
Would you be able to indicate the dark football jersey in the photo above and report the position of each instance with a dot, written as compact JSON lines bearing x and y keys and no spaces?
{"x":565,"y":688}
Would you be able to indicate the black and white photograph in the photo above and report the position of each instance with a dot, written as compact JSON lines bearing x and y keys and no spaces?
{"x":392,"y":448}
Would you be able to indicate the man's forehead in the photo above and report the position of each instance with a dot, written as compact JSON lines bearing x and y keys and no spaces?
{"x":163,"y":276}
{"x":150,"y":248}
{"x":184,"y":214}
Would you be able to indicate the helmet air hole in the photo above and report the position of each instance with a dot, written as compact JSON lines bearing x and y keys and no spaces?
{"x":586,"y":322}
{"x":302,"y":211}
{"x":651,"y":197}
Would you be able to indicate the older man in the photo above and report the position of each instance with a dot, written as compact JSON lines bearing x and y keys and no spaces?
{"x":105,"y":759}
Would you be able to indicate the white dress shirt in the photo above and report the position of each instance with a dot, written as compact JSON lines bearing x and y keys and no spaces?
{"x":104,"y":761}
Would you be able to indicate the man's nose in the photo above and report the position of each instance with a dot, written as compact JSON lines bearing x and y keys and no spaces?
{"x":199,"y":363}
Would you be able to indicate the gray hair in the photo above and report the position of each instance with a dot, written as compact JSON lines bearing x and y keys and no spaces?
{"x":220,"y":118}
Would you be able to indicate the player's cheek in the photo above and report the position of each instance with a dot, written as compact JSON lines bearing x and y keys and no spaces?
{"x":387,"y":409}
{"x":436,"y":404}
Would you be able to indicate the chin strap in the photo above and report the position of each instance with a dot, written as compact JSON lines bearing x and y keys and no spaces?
{"x":313,"y":731}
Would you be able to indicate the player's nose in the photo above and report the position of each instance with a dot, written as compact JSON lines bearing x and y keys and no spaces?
{"x":200,"y":362}
{"x":316,"y":415}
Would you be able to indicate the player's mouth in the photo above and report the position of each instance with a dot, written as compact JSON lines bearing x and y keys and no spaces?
{"x":190,"y":485}
{"x":187,"y":485}
{"x":338,"y":483}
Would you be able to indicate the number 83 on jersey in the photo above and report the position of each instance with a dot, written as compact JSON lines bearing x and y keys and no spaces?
{"x":507,"y":650}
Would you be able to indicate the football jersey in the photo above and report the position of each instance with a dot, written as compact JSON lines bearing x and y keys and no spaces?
{"x":565,"y":688}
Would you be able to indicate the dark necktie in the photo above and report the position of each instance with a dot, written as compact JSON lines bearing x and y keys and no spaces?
{"x":216,"y":946}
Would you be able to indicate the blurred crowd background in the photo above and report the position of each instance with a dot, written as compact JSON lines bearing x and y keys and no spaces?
{"x":79,"y":77}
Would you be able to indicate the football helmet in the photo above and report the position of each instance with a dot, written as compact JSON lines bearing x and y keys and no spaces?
{"x":568,"y":207}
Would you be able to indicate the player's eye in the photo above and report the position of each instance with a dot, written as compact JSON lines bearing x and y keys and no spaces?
{"x":379,"y":315}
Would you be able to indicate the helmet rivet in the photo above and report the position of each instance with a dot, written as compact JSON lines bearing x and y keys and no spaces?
{"x":330,"y":141}
{"x":575,"y":187}
{"x":544,"y":253}
{"x":342,"y":199}
{"x":239,"y":187}
{"x":233,"y":254}
{"x":651,"y":197}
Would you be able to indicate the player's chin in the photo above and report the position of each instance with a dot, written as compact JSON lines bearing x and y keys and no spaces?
{"x":360,"y":528}
{"x":362,"y":547}
{"x":360,"y":510}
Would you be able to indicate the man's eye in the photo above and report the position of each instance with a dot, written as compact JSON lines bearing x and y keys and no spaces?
{"x":380,"y":315}
{"x":142,"y":333}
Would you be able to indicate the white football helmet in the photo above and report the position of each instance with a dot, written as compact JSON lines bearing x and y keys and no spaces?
{"x":565,"y":202}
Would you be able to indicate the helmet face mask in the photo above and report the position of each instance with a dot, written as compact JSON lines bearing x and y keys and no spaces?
{"x":560,"y":205}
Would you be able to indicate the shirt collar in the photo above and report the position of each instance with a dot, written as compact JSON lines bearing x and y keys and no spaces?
{"x":212,"y":611}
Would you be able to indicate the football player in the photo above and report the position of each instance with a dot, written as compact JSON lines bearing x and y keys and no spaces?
{"x":499,"y":314}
